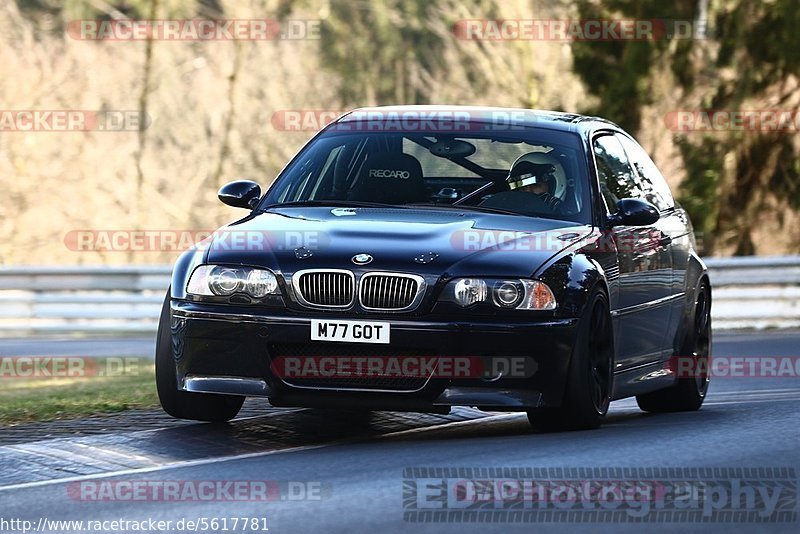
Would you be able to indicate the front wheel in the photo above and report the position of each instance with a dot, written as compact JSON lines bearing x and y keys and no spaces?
{"x":588,"y":391}
{"x":183,"y":404}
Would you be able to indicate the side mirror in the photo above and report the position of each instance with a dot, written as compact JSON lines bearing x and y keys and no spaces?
{"x":634,"y":212}
{"x":240,"y":194}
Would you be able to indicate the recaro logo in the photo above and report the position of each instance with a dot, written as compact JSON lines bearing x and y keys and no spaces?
{"x":389,"y":173}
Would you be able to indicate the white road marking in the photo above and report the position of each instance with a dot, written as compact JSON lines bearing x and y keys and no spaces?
{"x":165,"y":467}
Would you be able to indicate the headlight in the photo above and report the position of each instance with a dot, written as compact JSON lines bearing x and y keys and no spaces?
{"x":518,"y":294}
{"x":508,"y":293}
{"x":220,"y":280}
{"x":224,"y":281}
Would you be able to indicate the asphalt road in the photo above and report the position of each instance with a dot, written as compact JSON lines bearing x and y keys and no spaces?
{"x":333,"y":473}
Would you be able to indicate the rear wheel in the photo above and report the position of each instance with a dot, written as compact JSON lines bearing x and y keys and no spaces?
{"x":588,"y":391}
{"x":182,"y":404}
{"x":689,"y":392}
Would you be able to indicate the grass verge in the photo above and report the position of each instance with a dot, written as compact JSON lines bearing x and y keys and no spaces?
{"x":112,"y":385}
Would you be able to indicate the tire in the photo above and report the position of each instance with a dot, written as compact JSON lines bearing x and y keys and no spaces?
{"x":183,"y":404}
{"x":688,"y":393}
{"x":587,"y":394}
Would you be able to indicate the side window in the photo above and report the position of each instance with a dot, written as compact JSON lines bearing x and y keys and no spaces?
{"x":654,"y":187}
{"x":616,"y":177}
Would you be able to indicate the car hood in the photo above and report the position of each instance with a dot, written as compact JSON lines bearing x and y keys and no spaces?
{"x":425,"y":241}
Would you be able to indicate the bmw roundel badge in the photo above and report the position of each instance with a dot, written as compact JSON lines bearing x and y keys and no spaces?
{"x":362,"y":259}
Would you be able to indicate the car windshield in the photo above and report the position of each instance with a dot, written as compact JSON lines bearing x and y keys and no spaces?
{"x":533,"y":172}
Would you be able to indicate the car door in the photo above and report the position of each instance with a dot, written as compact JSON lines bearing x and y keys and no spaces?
{"x":642,"y":311}
{"x":674,"y":224}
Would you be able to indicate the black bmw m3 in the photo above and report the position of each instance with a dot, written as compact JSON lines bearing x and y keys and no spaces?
{"x":418,"y":258}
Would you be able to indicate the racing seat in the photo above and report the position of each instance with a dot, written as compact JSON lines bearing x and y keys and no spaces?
{"x":389,"y":179}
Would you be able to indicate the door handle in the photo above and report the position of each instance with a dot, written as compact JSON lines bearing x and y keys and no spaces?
{"x":665,"y":240}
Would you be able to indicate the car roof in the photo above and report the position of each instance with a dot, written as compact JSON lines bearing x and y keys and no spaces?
{"x":533,"y":118}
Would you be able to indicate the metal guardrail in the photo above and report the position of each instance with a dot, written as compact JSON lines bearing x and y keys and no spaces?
{"x":81,"y":300}
{"x":749,"y":292}
{"x":755,"y":292}
{"x":754,"y":271}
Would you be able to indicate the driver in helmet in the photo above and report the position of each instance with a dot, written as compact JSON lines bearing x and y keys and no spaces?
{"x":536,"y":178}
{"x":531,"y":186}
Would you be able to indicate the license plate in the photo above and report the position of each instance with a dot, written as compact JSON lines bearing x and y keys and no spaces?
{"x":350,"y":331}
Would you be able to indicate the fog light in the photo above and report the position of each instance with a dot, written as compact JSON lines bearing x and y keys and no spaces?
{"x":469,"y":291}
{"x":261,"y":283}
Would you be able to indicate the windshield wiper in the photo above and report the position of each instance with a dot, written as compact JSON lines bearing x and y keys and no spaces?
{"x":331,"y":203}
{"x":466,"y":208}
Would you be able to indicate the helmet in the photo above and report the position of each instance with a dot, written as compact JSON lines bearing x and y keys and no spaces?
{"x":539,"y":166}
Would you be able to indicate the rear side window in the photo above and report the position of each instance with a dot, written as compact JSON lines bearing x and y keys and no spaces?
{"x":652,"y":182}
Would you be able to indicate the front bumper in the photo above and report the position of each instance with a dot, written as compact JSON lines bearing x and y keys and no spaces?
{"x":231,"y":350}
